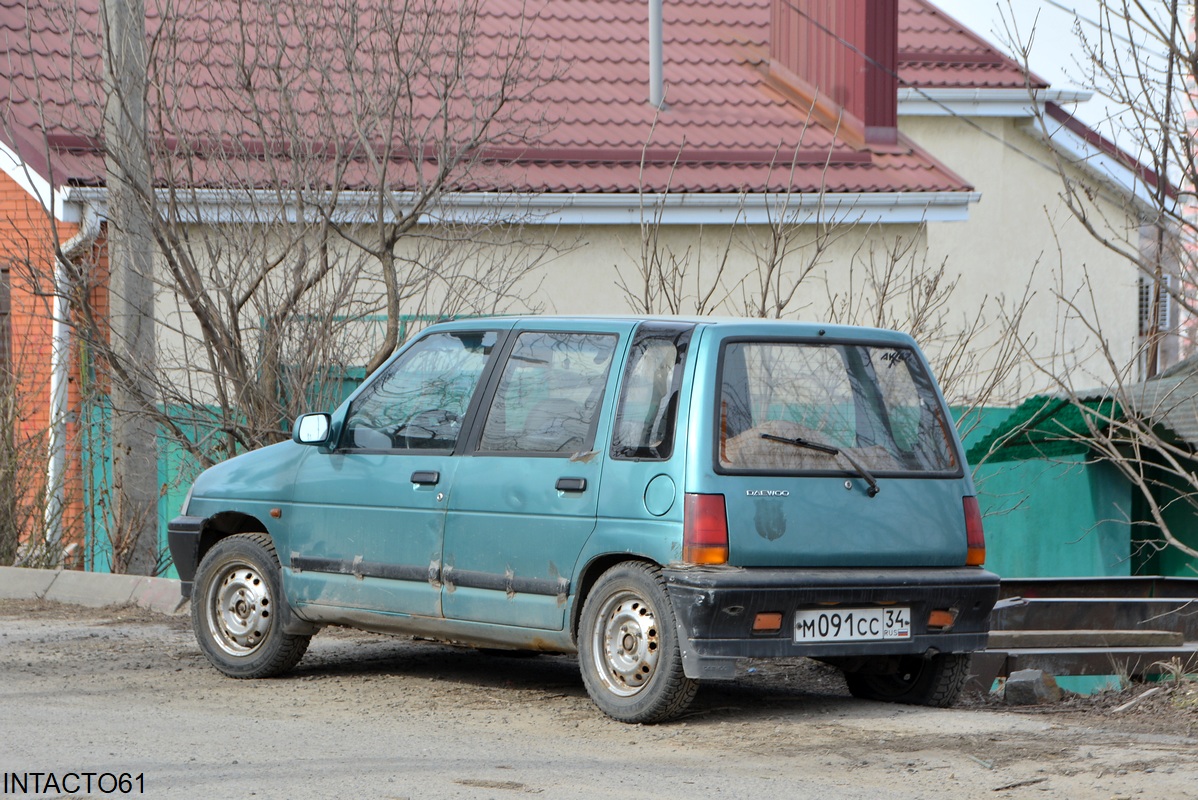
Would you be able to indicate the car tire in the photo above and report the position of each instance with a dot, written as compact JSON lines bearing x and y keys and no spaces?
{"x":236,"y":609}
{"x":935,"y":681}
{"x":628,"y":649}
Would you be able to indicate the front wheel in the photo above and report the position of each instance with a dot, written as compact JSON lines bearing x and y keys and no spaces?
{"x":236,"y":609}
{"x":628,"y":648}
{"x":935,"y":681}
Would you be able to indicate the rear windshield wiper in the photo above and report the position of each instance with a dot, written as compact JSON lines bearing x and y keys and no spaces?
{"x":832,"y":451}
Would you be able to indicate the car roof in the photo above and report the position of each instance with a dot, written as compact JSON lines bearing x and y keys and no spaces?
{"x":732,"y":326}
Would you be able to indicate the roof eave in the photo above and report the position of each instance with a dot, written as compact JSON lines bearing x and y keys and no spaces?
{"x":728,"y":209}
{"x":915,"y":101}
{"x":1107,"y":168}
{"x":631,"y":208}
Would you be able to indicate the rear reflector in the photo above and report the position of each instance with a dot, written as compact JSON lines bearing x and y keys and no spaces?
{"x":767,"y":622}
{"x":705,"y":529}
{"x":975,"y":538}
{"x":942,"y":618}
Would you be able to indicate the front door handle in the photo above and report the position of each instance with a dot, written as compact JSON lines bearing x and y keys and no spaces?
{"x":571,"y":484}
{"x":426,"y":477}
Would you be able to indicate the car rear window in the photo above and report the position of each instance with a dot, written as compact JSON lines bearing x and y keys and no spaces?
{"x":794,"y":406}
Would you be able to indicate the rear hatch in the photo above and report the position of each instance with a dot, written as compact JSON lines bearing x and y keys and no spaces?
{"x":835,"y":452}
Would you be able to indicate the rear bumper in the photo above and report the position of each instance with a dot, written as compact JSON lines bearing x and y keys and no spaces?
{"x":715,"y":608}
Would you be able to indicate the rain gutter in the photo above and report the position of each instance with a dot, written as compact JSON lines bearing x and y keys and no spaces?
{"x":953,"y":102}
{"x":216,"y":206}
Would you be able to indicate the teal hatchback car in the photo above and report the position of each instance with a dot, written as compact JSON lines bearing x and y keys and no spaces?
{"x":665,"y":497}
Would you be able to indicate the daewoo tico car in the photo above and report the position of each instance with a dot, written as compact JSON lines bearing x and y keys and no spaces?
{"x":665,"y":497}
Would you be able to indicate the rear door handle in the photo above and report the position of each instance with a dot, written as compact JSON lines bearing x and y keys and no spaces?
{"x":571,"y":484}
{"x":426,"y":477}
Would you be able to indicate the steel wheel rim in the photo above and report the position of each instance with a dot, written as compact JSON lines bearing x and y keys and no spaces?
{"x":626,"y":644}
{"x":239,"y":609}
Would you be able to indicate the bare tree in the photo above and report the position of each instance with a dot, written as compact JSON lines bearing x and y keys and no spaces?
{"x":779,"y":269}
{"x":1141,"y":57}
{"x":304,"y":160}
{"x":23,"y":443}
{"x":12,"y":449}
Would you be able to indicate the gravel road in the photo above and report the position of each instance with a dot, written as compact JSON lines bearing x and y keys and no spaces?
{"x":121,"y":690}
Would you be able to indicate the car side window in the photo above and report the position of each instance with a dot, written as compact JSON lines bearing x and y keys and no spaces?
{"x":420,"y":401}
{"x":648,"y":407}
{"x":549,"y":395}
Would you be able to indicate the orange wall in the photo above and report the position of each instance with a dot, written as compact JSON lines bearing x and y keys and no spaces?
{"x":27,"y":239}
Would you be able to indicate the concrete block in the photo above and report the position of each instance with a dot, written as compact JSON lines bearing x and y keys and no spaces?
{"x":92,"y":589}
{"x":1027,"y":687}
{"x":22,"y":583}
{"x":160,"y":595}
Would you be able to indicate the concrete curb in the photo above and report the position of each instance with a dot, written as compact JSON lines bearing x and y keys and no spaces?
{"x":93,"y":589}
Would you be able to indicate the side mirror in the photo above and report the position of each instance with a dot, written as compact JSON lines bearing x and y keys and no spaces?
{"x":311,"y":429}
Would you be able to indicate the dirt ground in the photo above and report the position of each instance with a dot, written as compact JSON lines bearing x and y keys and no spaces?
{"x":121,"y":689}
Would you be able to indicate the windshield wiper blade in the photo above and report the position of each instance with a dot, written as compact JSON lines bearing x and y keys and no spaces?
{"x":832,"y":451}
{"x":797,"y":442}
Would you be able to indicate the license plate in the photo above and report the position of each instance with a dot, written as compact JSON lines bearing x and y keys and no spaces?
{"x":852,"y":624}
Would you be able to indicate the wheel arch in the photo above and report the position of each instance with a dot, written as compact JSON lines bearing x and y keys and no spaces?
{"x":590,"y":576}
{"x":221,"y":526}
{"x":224,"y":524}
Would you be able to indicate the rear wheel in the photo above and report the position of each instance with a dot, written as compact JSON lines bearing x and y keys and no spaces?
{"x":628,"y":647}
{"x":236,"y":609}
{"x":935,"y":681}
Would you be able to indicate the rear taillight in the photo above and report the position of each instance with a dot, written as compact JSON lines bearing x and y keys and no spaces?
{"x":975,"y":538}
{"x":705,"y":529}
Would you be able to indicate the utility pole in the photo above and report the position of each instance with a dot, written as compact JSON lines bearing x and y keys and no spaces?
{"x":134,"y":510}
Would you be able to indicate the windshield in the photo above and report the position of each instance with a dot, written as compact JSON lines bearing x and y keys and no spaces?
{"x":861,"y":406}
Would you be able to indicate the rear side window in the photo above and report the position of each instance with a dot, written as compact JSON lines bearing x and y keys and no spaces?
{"x":549,"y":395}
{"x":798,"y":407}
{"x":648,"y":409}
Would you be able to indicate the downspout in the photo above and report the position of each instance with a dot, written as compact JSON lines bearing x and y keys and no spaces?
{"x":60,"y":367}
{"x":656,"y":82}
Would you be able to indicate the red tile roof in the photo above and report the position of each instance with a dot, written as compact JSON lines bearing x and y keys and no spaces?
{"x":937,"y":52}
{"x":725,"y":128}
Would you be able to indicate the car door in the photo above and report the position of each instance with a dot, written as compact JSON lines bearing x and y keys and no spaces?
{"x":525,"y":494}
{"x":368,"y":517}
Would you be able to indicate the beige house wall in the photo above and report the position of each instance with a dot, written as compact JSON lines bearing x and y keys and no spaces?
{"x":1019,"y":242}
{"x":1021,"y":237}
{"x":724,"y":266}
{"x":828,"y":273}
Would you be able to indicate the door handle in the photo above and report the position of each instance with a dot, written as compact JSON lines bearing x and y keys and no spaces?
{"x":571,"y":484}
{"x":426,"y":477}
